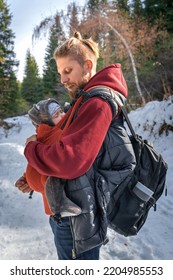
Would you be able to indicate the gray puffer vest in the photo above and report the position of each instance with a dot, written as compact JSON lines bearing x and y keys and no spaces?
{"x":91,"y":192}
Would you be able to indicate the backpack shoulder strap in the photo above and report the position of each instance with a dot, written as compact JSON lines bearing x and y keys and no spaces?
{"x":126,"y":117}
{"x":107,"y":94}
{"x":115,"y":99}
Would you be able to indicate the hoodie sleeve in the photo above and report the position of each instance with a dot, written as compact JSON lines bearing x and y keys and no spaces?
{"x":75,"y":153}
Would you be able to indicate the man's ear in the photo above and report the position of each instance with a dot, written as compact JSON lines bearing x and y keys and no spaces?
{"x":88,"y":65}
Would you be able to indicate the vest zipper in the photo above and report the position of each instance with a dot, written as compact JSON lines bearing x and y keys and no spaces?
{"x":73,"y":249}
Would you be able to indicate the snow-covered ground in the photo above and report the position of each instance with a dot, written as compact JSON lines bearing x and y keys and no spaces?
{"x":24,"y":228}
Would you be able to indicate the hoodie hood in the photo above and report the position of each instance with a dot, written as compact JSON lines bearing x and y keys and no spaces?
{"x":110,"y":76}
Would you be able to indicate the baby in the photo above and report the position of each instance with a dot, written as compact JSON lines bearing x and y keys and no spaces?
{"x":49,"y":112}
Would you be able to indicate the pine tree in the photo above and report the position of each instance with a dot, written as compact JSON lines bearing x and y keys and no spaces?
{"x":153,"y":9}
{"x":51,"y":79}
{"x":32,"y":90}
{"x":93,"y":5}
{"x":122,"y":4}
{"x":74,"y":22}
{"x":8,"y":64}
{"x":137,"y":8}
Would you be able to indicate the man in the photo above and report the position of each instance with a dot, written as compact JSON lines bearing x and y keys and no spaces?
{"x":94,"y":139}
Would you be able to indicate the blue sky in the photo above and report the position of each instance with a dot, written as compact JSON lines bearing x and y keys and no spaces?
{"x":26,"y":15}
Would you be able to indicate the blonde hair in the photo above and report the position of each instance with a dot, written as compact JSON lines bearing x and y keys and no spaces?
{"x":78,"y":48}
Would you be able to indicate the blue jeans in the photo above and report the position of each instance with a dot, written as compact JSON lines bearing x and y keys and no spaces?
{"x":64,"y":242}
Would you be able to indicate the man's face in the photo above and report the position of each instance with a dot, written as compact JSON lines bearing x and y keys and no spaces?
{"x":73,"y":75}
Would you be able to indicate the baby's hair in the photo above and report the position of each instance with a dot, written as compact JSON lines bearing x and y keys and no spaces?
{"x":78,"y":48}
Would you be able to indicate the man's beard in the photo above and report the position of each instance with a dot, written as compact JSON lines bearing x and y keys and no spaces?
{"x":72,"y":93}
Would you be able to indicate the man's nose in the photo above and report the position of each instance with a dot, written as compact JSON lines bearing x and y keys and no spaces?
{"x":64,"y":79}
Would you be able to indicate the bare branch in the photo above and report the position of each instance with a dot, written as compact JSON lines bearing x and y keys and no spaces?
{"x":42,"y":27}
{"x":131,"y":58}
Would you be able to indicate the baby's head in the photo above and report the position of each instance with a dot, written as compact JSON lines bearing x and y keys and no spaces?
{"x":46,"y":111}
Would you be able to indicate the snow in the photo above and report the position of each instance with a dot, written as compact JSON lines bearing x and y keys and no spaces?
{"x":24,"y":228}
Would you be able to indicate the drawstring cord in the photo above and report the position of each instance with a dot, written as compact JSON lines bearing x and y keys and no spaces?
{"x":30,"y":194}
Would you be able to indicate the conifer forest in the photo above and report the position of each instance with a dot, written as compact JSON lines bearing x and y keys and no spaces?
{"x":137,"y":33}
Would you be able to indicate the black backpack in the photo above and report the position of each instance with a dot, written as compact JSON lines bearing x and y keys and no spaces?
{"x":131,"y":201}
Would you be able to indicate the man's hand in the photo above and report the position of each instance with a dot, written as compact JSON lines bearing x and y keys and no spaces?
{"x":31,"y":138}
{"x":22,"y":185}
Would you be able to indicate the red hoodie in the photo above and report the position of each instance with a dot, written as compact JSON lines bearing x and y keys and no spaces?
{"x":75,"y":152}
